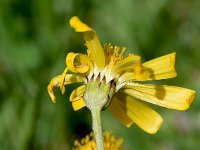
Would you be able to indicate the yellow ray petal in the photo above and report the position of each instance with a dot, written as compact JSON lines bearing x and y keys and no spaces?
{"x":76,"y":97}
{"x":156,"y":69}
{"x":118,"y":110}
{"x":78,"y":104}
{"x":136,"y":75}
{"x":78,"y":92}
{"x":58,"y":81}
{"x":92,"y":41}
{"x":84,"y":62}
{"x":126,"y":77}
{"x":62,"y":86}
{"x":72,"y":78}
{"x":162,"y":67}
{"x":167,"y":96}
{"x":131,"y":62}
{"x":143,"y":115}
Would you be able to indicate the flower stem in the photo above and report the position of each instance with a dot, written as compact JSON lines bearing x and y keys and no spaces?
{"x":96,"y":126}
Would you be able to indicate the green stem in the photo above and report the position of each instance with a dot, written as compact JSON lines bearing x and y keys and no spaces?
{"x":96,"y":126}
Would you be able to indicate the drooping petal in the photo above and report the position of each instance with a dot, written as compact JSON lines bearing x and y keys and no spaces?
{"x":58,"y":81}
{"x":72,"y":78}
{"x":62,"y":86}
{"x":78,"y":104}
{"x":118,"y":109}
{"x":76,"y":97}
{"x":92,"y":41}
{"x":84,"y":62}
{"x":162,"y":67}
{"x":167,"y":96}
{"x":128,"y":110}
{"x":78,"y":92}
{"x":143,"y":115}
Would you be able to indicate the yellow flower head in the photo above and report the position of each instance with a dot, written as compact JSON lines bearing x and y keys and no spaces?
{"x":118,"y":80}
{"x":88,"y":143}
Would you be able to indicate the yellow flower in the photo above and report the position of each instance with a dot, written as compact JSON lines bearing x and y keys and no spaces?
{"x":125,"y":95}
{"x":88,"y":143}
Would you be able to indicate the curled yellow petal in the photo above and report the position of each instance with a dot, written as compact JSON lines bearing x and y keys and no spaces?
{"x":50,"y":88}
{"x":162,"y":67}
{"x":58,"y":81}
{"x":143,"y":115}
{"x":76,"y":97}
{"x":82,"y":66}
{"x":78,"y":92}
{"x":118,"y":109}
{"x":167,"y":96}
{"x":92,"y":41}
{"x":78,"y":104}
{"x":62,"y":86}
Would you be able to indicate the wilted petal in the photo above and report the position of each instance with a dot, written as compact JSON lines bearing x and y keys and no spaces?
{"x":57,"y":82}
{"x":76,"y":97}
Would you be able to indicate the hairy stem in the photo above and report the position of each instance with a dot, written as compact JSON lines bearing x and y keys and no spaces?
{"x":96,"y":126}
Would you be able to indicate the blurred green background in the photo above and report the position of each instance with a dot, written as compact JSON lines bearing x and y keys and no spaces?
{"x":35,"y":38}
